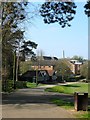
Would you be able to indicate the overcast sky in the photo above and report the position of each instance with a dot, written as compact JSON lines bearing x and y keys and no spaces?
{"x":53,"y":39}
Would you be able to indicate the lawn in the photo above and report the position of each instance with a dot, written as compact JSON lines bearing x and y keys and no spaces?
{"x":83,"y":114}
{"x":70,"y":106}
{"x":69,"y":89}
{"x":33,"y":85}
{"x":62,"y":103}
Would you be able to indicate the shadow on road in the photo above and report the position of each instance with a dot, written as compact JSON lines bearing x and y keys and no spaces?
{"x":27,"y":96}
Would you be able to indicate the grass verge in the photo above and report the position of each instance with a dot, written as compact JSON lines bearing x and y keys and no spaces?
{"x":69,"y":89}
{"x":83,"y":114}
{"x":33,"y":85}
{"x":64,"y":104}
{"x":70,"y":106}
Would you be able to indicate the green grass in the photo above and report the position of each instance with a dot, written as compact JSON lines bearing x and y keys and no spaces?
{"x":70,"y":105}
{"x":83,"y":114}
{"x":69,"y":89}
{"x":33,"y":85}
{"x":62,"y":103}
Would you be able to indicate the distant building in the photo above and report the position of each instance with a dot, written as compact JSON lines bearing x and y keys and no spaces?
{"x":74,"y":65}
{"x":47,"y":63}
{"x":77,"y":66}
{"x":44,"y":65}
{"x":49,"y":58}
{"x":36,"y":58}
{"x":31,"y":75}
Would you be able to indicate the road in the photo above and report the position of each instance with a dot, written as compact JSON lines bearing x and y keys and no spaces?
{"x":34,"y":103}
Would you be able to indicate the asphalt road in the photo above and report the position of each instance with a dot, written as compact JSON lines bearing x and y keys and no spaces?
{"x":34,"y":103}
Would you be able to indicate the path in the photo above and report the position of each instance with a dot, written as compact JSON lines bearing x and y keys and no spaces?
{"x":34,"y":103}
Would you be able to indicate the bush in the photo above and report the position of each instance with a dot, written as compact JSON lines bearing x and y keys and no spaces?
{"x":7,"y":86}
{"x":59,"y":79}
{"x":21,"y":84}
{"x":66,"y":78}
{"x":72,"y":79}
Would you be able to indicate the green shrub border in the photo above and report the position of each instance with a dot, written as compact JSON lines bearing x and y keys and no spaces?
{"x":8,"y":85}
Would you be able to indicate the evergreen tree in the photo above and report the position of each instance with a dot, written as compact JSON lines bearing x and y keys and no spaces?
{"x":87,"y":8}
{"x":61,"y":12}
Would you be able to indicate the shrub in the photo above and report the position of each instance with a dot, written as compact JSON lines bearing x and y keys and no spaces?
{"x":21,"y":84}
{"x":59,"y":78}
{"x":7,"y":86}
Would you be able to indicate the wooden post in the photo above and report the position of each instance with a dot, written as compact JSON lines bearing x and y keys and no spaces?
{"x":76,"y":101}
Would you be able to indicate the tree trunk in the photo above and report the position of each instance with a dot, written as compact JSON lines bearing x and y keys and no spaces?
{"x":5,"y":83}
{"x":17,"y":62}
{"x":14,"y":66}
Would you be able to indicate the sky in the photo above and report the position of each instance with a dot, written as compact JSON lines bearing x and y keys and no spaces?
{"x":52,"y":39}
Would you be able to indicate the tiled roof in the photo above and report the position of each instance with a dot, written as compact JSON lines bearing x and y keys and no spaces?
{"x":49,"y":58}
{"x":50,"y":72}
{"x":44,"y":63}
{"x":31,"y":73}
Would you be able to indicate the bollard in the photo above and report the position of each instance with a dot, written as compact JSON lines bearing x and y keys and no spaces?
{"x":81,"y":101}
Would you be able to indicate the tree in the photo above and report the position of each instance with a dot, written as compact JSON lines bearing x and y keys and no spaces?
{"x":13,"y":13}
{"x":87,"y":8}
{"x":79,"y":58}
{"x":25,"y":66}
{"x":40,"y":54}
{"x":62,"y":69}
{"x":24,"y":49}
{"x":61,"y":12}
{"x":84,"y":69}
{"x":27,"y":49}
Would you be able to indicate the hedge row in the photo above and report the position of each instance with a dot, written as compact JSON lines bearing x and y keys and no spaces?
{"x":9,"y":86}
